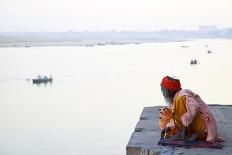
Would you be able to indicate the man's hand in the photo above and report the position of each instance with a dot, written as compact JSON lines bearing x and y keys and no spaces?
{"x":165,"y":131}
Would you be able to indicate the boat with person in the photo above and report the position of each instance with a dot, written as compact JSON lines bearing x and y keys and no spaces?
{"x":193,"y":62}
{"x":42,"y":79}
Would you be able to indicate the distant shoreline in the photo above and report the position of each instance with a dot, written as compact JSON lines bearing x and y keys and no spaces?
{"x":32,"y":39}
{"x":90,"y":43}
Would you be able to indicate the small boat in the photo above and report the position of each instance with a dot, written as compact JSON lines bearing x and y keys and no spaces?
{"x":193,"y":62}
{"x":209,"y":51}
{"x":37,"y":81}
{"x":45,"y":80}
{"x":184,"y":46}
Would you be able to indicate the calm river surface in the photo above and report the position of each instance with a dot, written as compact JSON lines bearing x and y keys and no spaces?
{"x":98,"y":92}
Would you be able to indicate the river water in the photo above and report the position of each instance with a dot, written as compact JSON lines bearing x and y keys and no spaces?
{"x":98,"y":92}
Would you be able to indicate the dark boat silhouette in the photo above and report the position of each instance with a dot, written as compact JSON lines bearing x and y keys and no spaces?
{"x":193,"y":62}
{"x":45,"y":79}
{"x":209,"y":51}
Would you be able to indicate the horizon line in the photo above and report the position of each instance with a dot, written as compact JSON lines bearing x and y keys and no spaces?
{"x":92,"y":31}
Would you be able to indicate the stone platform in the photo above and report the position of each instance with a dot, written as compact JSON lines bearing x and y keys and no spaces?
{"x":146,"y":134}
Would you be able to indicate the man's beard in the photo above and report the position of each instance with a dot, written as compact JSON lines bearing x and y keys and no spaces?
{"x":168,"y":101}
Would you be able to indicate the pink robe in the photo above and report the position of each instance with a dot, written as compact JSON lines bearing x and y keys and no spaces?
{"x":194,"y":104}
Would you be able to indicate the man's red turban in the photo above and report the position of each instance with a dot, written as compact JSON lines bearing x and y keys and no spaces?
{"x":170,"y":83}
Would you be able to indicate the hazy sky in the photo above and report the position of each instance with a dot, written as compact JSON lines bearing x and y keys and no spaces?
{"x":92,"y":15}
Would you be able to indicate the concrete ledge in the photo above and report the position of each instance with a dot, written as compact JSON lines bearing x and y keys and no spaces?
{"x":144,"y":139}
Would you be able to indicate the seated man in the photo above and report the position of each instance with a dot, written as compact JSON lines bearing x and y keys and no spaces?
{"x":186,"y":113}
